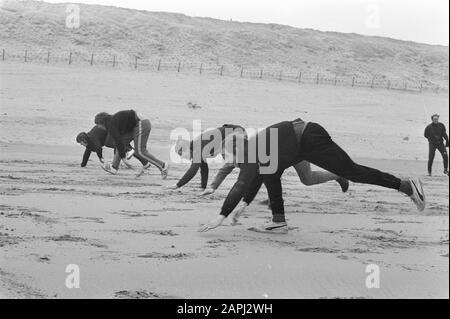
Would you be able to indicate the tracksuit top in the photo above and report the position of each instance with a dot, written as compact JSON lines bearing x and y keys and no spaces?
{"x":436,"y":133}
{"x":120,"y":124}
{"x":289,"y":153}
{"x":97,"y":138}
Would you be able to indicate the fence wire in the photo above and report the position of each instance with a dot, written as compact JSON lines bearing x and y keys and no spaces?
{"x":171,"y":64}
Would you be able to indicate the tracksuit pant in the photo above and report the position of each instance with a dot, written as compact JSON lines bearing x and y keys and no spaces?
{"x":317,"y":147}
{"x":141,"y":133}
{"x":432,"y":147}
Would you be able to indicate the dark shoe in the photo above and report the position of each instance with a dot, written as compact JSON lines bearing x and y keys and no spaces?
{"x":344,"y":183}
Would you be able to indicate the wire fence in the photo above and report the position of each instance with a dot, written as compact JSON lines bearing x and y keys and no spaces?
{"x":170,"y":64}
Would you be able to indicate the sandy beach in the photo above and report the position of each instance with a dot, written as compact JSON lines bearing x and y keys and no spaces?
{"x":132,"y":238}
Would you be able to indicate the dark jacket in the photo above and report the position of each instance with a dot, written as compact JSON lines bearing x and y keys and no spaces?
{"x":96,"y":138}
{"x":249,"y":179}
{"x":119,"y":125}
{"x":436,"y":133}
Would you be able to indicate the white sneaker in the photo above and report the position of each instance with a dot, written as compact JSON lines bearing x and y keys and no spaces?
{"x":165,"y":170}
{"x":129,"y":155}
{"x":271,"y":228}
{"x":108,"y":168}
{"x":143,"y":169}
{"x":418,"y":195}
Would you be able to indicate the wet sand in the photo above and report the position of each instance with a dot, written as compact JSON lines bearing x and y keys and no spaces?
{"x":132,"y":238}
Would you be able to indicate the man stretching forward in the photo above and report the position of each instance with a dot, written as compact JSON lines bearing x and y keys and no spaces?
{"x":297,"y":141}
{"x":122,"y":124}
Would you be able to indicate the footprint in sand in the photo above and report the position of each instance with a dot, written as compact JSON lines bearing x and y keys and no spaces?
{"x":176,"y":256}
{"x":140,"y":294}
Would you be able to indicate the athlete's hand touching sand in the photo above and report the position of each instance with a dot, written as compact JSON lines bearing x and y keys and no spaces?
{"x":212,"y":224}
{"x":125,"y":161}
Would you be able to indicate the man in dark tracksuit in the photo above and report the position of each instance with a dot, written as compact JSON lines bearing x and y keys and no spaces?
{"x":123,"y":124}
{"x":196,"y":152}
{"x":95,"y":139}
{"x":298,"y":141}
{"x":436,"y":133}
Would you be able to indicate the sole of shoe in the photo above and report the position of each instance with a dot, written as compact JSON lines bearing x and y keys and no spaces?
{"x":280,"y":231}
{"x":418,"y":193}
{"x":108,"y":171}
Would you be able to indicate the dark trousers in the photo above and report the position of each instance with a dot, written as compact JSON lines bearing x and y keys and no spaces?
{"x":192,"y":171}
{"x":432,"y":147}
{"x":317,"y":147}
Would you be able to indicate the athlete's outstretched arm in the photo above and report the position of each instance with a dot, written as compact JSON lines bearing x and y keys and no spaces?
{"x":190,"y":173}
{"x":86,"y":155}
{"x":246,"y":175}
{"x":445,"y":135}
{"x":223,"y":172}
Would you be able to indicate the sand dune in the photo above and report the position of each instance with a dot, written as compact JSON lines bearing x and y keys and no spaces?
{"x":107,"y":31}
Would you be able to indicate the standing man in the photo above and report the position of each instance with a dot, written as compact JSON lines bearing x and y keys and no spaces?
{"x":436,"y":133}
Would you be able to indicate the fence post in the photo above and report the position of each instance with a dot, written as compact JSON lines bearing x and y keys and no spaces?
{"x":373,"y":83}
{"x":261,"y":74}
{"x":135,"y":62}
{"x":317,"y":79}
{"x":335,"y":79}
{"x":3,"y":54}
{"x":406,"y":86}
{"x":48,"y":56}
{"x":114,"y":61}
{"x":70,"y":58}
{"x":159,"y":65}
{"x":421,"y":87}
{"x":92,"y":58}
{"x":281,"y":76}
{"x":201,"y":67}
{"x":300,"y":77}
{"x":26,"y":55}
{"x":242,"y":71}
{"x":389,"y":85}
{"x":353,"y":81}
{"x":179,"y":67}
{"x":221,"y":70}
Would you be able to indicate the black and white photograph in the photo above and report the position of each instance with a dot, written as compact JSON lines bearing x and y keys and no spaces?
{"x":243,"y":152}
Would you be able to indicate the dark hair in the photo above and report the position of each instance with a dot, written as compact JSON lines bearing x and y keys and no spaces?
{"x":101,"y":117}
{"x":435,"y":115}
{"x":82,"y":137}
